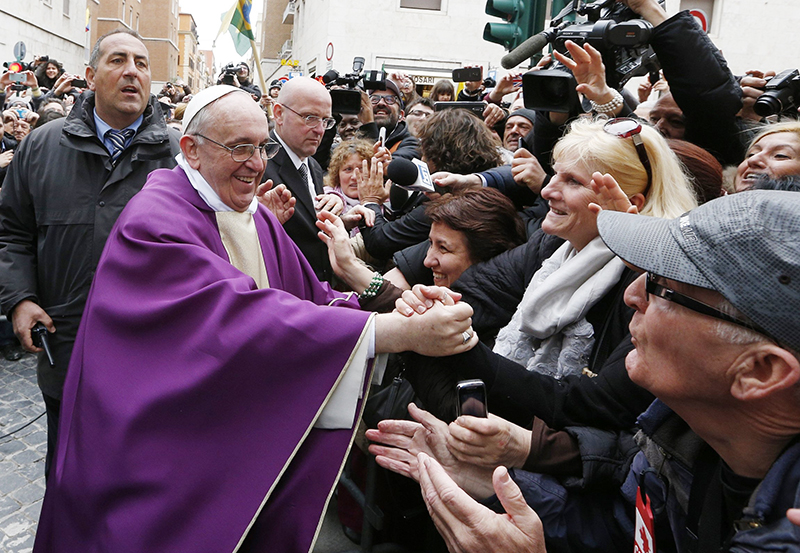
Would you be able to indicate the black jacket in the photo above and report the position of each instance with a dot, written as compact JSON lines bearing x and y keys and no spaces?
{"x":59,"y":201}
{"x":494,"y":289}
{"x":302,"y":225}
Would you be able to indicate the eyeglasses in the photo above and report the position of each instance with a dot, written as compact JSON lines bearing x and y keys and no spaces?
{"x":625,"y":127}
{"x":389,"y":99}
{"x":242,"y":152}
{"x":653,"y":287}
{"x":313,"y":120}
{"x":419,"y":113}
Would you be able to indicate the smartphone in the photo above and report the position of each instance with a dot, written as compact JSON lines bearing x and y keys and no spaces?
{"x":382,"y":136}
{"x":472,"y":398}
{"x":80,"y":83}
{"x":464,"y":74}
{"x":475,"y":107}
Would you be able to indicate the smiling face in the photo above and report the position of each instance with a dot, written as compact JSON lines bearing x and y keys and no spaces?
{"x":347,"y":176}
{"x":516,"y":129}
{"x":51,"y":71}
{"x":775,"y":155}
{"x":569,"y":195}
{"x":236,"y":119}
{"x":385,"y":115}
{"x":121,"y":81}
{"x":448,"y":255}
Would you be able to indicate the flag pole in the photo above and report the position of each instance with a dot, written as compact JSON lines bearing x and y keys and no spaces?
{"x":257,"y":59}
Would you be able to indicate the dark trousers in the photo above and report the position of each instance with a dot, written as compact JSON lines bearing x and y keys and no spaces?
{"x":53,"y":409}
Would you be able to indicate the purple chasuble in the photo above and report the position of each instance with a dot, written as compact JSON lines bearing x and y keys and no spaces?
{"x":187,"y":417}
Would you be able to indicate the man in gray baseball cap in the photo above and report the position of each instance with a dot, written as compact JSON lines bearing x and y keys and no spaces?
{"x":716,"y":334}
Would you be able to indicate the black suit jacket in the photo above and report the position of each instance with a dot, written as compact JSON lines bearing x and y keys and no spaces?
{"x":301,"y":227}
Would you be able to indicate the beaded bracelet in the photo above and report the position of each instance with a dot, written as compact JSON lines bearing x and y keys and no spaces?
{"x":608,"y":107}
{"x":372,"y":290}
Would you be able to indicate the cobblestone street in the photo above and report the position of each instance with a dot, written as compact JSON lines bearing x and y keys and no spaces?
{"x":22,"y":451}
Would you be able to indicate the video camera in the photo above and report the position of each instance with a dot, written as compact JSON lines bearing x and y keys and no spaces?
{"x":348,"y":101}
{"x":781,"y":96}
{"x":228,"y":73}
{"x":616,"y":31}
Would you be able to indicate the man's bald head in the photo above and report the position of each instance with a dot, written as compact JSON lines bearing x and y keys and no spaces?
{"x":299,"y":98}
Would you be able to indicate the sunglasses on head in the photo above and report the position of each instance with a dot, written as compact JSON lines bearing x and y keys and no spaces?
{"x":625,"y":127}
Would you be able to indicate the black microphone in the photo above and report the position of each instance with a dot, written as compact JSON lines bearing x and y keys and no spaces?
{"x":411,"y":175}
{"x":528,"y":48}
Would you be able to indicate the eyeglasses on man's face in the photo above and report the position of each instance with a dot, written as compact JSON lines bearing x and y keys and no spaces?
{"x":388,"y":99}
{"x":242,"y":152}
{"x":312,"y":121}
{"x":652,"y":286}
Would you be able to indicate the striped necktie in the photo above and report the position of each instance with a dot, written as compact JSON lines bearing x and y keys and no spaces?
{"x":118,"y":140}
{"x":303,"y":172}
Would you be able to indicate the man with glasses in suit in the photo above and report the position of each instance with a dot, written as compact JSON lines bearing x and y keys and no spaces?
{"x":302,"y":115}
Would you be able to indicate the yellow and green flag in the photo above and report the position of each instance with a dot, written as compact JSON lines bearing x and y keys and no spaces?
{"x":237,"y":21}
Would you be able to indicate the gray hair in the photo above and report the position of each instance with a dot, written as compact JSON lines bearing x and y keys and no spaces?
{"x":94,"y":58}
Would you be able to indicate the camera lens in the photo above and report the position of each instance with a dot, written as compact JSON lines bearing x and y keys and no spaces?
{"x":773,"y":102}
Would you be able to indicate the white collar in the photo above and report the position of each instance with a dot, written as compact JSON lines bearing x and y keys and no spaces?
{"x":208,"y":194}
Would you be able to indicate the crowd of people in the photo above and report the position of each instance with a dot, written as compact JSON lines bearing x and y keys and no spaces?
{"x":239,"y":302}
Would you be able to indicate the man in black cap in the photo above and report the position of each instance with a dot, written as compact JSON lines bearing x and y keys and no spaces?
{"x":387,"y":110}
{"x":518,"y":124}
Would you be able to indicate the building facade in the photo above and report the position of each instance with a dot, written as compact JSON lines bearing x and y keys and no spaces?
{"x":188,"y":57}
{"x":55,"y":28}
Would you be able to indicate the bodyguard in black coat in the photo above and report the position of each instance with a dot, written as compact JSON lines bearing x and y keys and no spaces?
{"x":301,"y":115}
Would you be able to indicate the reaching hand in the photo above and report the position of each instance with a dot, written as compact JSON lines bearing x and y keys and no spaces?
{"x":493,"y":114}
{"x":469,"y":527}
{"x":527,"y":171}
{"x":610,"y":196}
{"x":356,"y":214}
{"x":278,"y":200}
{"x":371,"y":187}
{"x":489,"y":442}
{"x":329,"y":202}
{"x":455,"y":182}
{"x":587,"y":67}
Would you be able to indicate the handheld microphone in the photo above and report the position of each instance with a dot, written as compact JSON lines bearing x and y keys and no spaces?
{"x":411,"y":175}
{"x":528,"y":48}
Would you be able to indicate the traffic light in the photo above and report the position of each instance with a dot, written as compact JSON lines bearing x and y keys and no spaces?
{"x":523,"y":19}
{"x":15,"y":67}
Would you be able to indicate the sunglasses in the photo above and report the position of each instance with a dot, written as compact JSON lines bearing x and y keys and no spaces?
{"x":625,"y":127}
{"x":653,"y":287}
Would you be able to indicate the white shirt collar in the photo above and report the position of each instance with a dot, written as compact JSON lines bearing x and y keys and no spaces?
{"x":208,"y":194}
{"x":293,"y":156}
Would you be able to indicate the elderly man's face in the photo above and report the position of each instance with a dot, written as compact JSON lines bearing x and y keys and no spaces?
{"x":516,"y":128}
{"x":678,"y":357}
{"x":237,"y":119}
{"x":668,"y":118}
{"x":386,"y":114}
{"x":121,"y":82}
{"x":292,"y":128}
{"x":21,"y":130}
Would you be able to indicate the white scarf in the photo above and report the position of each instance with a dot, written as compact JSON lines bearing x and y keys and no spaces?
{"x":549,"y":332}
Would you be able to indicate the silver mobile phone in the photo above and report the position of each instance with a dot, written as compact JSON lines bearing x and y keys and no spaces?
{"x":472,"y":398}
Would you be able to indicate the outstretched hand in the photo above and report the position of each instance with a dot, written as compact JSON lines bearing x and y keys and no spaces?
{"x":587,"y":67}
{"x":421,"y":298}
{"x":610,"y":196}
{"x":278,"y":200}
{"x":469,"y":527}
